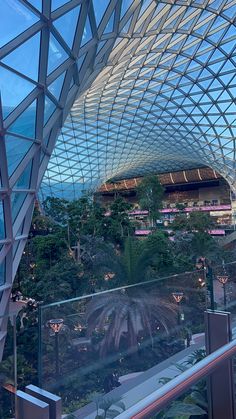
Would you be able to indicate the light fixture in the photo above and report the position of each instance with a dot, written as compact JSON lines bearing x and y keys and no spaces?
{"x":178,"y":296}
{"x":56,"y":325}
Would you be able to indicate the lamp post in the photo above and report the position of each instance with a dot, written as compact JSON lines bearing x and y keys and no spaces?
{"x":56,"y":325}
{"x":178,"y":296}
{"x":202,"y":264}
{"x":223,"y":279}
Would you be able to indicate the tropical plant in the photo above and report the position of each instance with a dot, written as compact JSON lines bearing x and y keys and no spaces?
{"x":118,"y":225}
{"x":192,"y":404}
{"x":127,"y":315}
{"x":112,"y":406}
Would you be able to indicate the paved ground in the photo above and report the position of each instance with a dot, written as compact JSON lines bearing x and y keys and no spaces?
{"x":135,"y":389}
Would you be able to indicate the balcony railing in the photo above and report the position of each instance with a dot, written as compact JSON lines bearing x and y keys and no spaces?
{"x":159,"y":399}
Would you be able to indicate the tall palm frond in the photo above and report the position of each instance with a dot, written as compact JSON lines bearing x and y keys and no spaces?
{"x":127,"y":315}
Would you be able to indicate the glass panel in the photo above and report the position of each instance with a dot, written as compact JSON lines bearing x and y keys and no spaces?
{"x":121,"y":333}
{"x":66,"y":25}
{"x":19,"y":18}
{"x":58,"y":3}
{"x":125,"y":5}
{"x":25,"y":124}
{"x":87,"y":35}
{"x":56,"y":86}
{"x":2,"y":222}
{"x":7,"y":367}
{"x":30,"y":51}
{"x":2,"y":273}
{"x":49,"y":108}
{"x":224,"y":287}
{"x":99,"y":9}
{"x":110,"y":24}
{"x":17,"y":200}
{"x":192,"y":404}
{"x":37,"y":4}
{"x":16,"y":149}
{"x":24,"y":180}
{"x":56,"y":54}
{"x":10,"y":82}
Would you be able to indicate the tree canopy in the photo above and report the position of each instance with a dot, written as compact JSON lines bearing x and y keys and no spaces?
{"x":150,"y":194}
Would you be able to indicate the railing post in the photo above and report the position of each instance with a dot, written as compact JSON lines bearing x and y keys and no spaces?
{"x":220,"y":386}
{"x":54,"y":402}
{"x":28,"y":407}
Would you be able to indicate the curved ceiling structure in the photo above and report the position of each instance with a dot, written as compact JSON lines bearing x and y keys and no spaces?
{"x":137,"y":85}
{"x":165,"y":100}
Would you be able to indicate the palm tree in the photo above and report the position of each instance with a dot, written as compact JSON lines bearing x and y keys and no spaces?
{"x":128,"y":314}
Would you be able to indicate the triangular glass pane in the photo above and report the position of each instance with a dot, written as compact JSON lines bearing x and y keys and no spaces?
{"x":87,"y":34}
{"x":2,"y":274}
{"x":110,"y":24}
{"x":13,"y":90}
{"x":100,"y":7}
{"x":100,"y":45}
{"x":66,"y":25}
{"x":49,"y":108}
{"x":37,"y":4}
{"x":127,"y":25}
{"x":56,"y":86}
{"x":56,"y":54}
{"x":80,"y":61}
{"x":24,"y":180}
{"x":58,"y":3}
{"x":30,"y":51}
{"x":16,"y":150}
{"x":25,"y":124}
{"x":17,"y":200}
{"x":125,"y":5}
{"x":19,"y":18}
{"x":2,"y":224}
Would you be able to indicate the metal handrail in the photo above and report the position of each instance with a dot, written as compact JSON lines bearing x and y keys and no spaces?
{"x":160,"y":398}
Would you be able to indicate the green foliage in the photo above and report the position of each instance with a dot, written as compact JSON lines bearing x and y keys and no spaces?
{"x":117,"y":225}
{"x":134,"y":310}
{"x":195,"y":221}
{"x":150,"y":194}
{"x":111,"y":406}
{"x":56,"y":209}
{"x":40,"y":223}
{"x":194,"y":402}
{"x":84,"y":216}
{"x":183,"y":410}
{"x":146,"y":259}
{"x":106,"y":246}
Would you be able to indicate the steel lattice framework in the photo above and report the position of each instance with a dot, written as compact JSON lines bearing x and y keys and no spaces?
{"x":164,"y":101}
{"x":137,"y":85}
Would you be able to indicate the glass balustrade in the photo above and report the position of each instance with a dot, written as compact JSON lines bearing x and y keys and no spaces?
{"x":116,"y":346}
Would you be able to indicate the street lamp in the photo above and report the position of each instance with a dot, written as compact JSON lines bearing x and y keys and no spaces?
{"x":56,"y":325}
{"x":223,"y":279}
{"x":178,"y":296}
{"x":202,"y":264}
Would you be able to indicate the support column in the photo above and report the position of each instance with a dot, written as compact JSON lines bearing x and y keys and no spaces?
{"x":220,"y":386}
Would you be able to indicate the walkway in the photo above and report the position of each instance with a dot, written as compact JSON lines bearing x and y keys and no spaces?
{"x":135,"y":389}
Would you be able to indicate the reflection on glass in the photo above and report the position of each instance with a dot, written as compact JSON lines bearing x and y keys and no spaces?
{"x":111,"y":337}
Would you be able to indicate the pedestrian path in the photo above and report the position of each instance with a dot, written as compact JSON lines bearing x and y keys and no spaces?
{"x":138,"y":387}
